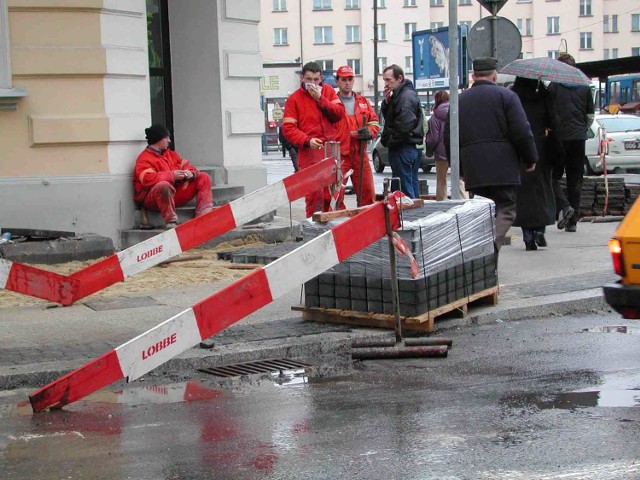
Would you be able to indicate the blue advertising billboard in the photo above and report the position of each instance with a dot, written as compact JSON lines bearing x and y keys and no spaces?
{"x":431,"y":58}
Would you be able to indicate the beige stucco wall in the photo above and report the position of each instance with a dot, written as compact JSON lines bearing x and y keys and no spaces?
{"x":65,"y":55}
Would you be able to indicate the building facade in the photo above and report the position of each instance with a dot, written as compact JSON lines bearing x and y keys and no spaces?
{"x":338,"y":32}
{"x":75,"y":98}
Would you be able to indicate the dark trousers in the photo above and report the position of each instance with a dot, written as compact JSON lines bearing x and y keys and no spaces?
{"x":505,"y":199}
{"x":405,"y":164}
{"x":573,"y":166}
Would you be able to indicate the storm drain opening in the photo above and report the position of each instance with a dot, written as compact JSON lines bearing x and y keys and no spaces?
{"x":257,"y":367}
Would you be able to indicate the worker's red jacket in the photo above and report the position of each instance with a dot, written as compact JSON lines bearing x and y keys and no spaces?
{"x":304,"y":118}
{"x":153,"y":167}
{"x":364,"y":114}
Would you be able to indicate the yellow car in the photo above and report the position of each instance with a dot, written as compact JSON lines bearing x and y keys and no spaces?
{"x":624,"y":295}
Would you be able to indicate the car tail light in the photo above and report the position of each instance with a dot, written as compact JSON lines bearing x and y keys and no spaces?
{"x":615,"y":247}
{"x":630,"y":313}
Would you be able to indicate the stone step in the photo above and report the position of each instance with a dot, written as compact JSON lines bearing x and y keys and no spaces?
{"x":278,"y":229}
{"x":222,"y":194}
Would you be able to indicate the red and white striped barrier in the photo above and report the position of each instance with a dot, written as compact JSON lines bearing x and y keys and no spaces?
{"x":36,"y":282}
{"x":222,"y":309}
{"x":100,"y":275}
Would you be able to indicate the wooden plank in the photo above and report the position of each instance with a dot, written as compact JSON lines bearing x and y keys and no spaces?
{"x":324,"y":217}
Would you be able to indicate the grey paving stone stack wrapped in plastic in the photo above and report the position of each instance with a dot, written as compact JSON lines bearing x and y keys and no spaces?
{"x":452,"y":242}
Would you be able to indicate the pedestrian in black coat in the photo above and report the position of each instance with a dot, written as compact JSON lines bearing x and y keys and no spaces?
{"x":495,"y":142}
{"x":535,"y":201}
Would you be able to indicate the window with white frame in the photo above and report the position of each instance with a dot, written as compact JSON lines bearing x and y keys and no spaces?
{"x":408,"y":64}
{"x":382,"y":4}
{"x":605,"y":54}
{"x":382,"y":31}
{"x":614,"y":53}
{"x":322,"y":4}
{"x":382,"y":64}
{"x":635,"y":51}
{"x":553,"y":25}
{"x":635,"y":22}
{"x":353,"y":33}
{"x":323,"y":34}
{"x":409,"y":3}
{"x":280,"y":36}
{"x":279,"y":5}
{"x":527,"y":55}
{"x":585,"y":8}
{"x":524,"y":25}
{"x":325,"y":64}
{"x":605,"y":24}
{"x":614,"y":23}
{"x":351,"y":4}
{"x":435,"y":3}
{"x":436,"y":25}
{"x":464,"y":2}
{"x":552,"y":53}
{"x":354,"y":63}
{"x":585,"y":41}
{"x":409,"y":28}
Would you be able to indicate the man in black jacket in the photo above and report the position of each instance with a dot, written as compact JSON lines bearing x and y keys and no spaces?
{"x":403,"y":129}
{"x":495,"y":142}
{"x":574,"y":106}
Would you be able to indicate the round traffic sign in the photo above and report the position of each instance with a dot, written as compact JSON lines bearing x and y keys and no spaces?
{"x":509,"y":44}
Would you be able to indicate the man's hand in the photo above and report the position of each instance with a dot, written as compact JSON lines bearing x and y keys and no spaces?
{"x":364,"y":134}
{"x":182,"y":175}
{"x":316,"y":143}
{"x":530,"y":168}
{"x":315,"y":91}
{"x":387,"y":93}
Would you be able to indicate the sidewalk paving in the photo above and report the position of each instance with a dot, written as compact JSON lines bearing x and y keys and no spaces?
{"x":38,"y":344}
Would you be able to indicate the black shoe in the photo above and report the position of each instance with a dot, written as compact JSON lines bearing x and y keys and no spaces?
{"x":565,"y":216}
{"x":572,"y":227}
{"x":540,"y":240}
{"x":530,"y":246}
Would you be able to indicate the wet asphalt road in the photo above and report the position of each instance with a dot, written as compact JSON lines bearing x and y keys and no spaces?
{"x":537,"y":399}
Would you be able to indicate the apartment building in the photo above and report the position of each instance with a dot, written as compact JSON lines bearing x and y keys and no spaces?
{"x":338,"y":32}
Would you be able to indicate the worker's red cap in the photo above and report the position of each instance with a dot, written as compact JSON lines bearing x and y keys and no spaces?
{"x":345,"y":71}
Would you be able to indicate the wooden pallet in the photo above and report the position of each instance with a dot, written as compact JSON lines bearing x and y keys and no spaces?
{"x":420,"y":323}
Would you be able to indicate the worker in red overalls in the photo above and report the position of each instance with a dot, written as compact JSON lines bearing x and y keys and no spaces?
{"x":310,"y":118}
{"x":359,"y":125}
{"x":162,"y":179}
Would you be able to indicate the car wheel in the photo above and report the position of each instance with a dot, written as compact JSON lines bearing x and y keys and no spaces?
{"x":427,"y":168}
{"x":587,"y":168}
{"x":378,"y":166}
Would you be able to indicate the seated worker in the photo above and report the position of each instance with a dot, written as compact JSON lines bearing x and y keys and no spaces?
{"x":163,"y":180}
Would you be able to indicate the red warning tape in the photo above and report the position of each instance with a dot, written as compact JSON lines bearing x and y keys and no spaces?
{"x":222,"y":309}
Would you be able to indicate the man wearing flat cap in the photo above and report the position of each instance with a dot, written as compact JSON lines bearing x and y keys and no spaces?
{"x":163,"y":180}
{"x":496,"y":143}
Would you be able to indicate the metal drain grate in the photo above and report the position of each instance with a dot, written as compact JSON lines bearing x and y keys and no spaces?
{"x":252,"y":368}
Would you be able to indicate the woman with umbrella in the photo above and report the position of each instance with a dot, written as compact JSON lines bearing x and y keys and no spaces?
{"x":535,"y":201}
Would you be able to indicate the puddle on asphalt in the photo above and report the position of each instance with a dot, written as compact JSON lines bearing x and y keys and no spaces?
{"x":285,"y":378}
{"x":614,"y":391}
{"x":614,"y":329}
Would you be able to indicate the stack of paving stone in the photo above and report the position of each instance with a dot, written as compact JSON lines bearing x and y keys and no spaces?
{"x":593,"y":196}
{"x":452,"y":242}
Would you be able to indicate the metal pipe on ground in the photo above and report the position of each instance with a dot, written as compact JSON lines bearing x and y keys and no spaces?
{"x":390,"y":342}
{"x":399,"y":351}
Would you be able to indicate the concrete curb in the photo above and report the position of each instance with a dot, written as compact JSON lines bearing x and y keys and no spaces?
{"x":330,"y":347}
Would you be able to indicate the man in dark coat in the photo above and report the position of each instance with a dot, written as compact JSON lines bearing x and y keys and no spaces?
{"x":574,"y":106}
{"x":495,"y":140}
{"x":403,"y":129}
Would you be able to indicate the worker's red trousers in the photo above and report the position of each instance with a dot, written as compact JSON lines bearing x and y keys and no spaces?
{"x":352,"y":161}
{"x":320,"y":200}
{"x":165,"y":197}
